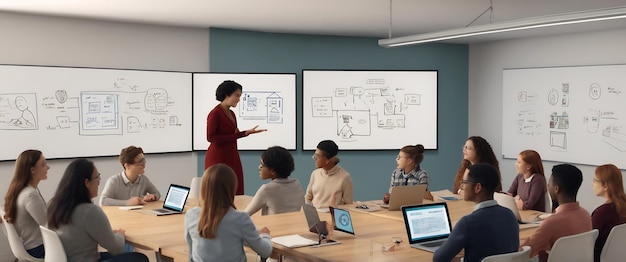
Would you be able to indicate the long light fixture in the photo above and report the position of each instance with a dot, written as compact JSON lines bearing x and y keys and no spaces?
{"x":514,"y":25}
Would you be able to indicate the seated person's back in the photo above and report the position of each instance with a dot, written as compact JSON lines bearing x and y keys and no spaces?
{"x":489,"y":230}
{"x":568,"y":219}
{"x":283,"y":194}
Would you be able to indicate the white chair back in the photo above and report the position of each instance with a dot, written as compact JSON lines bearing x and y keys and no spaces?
{"x":548,"y":203}
{"x":574,"y":248}
{"x":194,"y":188}
{"x":520,"y":256}
{"x":15,"y":242}
{"x":613,"y":249}
{"x":54,"y":247}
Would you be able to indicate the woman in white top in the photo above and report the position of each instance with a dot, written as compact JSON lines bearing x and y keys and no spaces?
{"x":283,"y":194}
{"x":24,"y":206}
{"x":82,"y":225}
{"x":216,"y":231}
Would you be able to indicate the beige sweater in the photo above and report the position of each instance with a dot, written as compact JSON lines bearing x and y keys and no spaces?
{"x":326,"y":184}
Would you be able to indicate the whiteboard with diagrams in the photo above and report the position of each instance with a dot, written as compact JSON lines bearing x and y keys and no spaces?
{"x":267,"y":100}
{"x":84,"y":112}
{"x":571,"y":114}
{"x":370,"y":110}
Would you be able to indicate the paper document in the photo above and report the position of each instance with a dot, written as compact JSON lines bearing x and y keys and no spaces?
{"x":130,"y":207}
{"x":294,"y":241}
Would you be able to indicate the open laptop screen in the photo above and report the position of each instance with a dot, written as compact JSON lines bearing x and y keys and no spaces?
{"x":176,"y":197}
{"x":426,"y":222}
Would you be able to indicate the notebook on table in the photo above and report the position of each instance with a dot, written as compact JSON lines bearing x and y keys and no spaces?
{"x":174,"y":202}
{"x":405,"y":195}
{"x":509,"y":202}
{"x":428,"y":226}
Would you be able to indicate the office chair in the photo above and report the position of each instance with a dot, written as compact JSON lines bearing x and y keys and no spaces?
{"x":194,"y":188}
{"x":520,"y":256}
{"x":54,"y":247}
{"x":548,"y":203}
{"x":15,"y":242}
{"x":613,"y":249}
{"x":574,"y":248}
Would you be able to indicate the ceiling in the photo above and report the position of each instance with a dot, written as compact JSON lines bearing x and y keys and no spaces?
{"x":369,"y":18}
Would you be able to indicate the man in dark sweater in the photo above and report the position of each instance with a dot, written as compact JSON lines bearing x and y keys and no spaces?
{"x":489,"y":230}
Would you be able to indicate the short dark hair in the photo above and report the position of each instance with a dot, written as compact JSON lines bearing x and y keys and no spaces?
{"x":329,"y":148}
{"x":226,"y":88}
{"x":279,"y":160}
{"x":568,"y":178}
{"x":486,"y":175}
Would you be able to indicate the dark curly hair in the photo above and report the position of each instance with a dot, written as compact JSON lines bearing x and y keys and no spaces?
{"x":226,"y":88}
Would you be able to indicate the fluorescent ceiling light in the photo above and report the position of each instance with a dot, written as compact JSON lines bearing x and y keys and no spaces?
{"x":494,"y":28}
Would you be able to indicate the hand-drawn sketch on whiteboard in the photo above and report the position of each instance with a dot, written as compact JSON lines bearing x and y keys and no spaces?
{"x":262,"y":105}
{"x":370,"y":108}
{"x":18,"y":111}
{"x":107,"y":108}
{"x":573,"y":114}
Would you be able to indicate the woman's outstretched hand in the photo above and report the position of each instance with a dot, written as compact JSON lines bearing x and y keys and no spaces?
{"x":254,"y":130}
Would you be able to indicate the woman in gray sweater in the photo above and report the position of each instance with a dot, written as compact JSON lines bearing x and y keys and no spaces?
{"x":82,"y":225}
{"x":282,"y":194}
{"x":24,"y":206}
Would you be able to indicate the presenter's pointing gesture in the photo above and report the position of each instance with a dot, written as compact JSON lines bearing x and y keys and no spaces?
{"x":254,"y":130}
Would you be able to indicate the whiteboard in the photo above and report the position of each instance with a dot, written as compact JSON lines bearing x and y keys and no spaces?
{"x":267,"y":100}
{"x":568,"y":114}
{"x":83,"y":112}
{"x":369,"y":110}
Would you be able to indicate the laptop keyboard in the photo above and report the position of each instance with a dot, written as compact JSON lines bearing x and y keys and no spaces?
{"x":434,"y":244}
{"x":162,"y":210}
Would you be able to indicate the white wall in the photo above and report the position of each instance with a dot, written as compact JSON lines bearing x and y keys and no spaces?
{"x":485,"y":85}
{"x":41,"y":40}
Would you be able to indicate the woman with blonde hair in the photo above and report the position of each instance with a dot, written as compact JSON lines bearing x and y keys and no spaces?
{"x":24,"y":206}
{"x":216,"y":231}
{"x":607,"y":183}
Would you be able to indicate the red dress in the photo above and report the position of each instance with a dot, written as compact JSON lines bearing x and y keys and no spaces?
{"x":222,"y":133}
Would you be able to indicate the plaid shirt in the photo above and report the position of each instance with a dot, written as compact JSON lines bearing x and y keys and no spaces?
{"x":417,"y":176}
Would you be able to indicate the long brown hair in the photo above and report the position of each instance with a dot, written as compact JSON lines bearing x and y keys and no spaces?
{"x":217,"y":196}
{"x":534,"y":160}
{"x":21,"y":177}
{"x":485,"y":154}
{"x":70,"y":193}
{"x":611,"y":177}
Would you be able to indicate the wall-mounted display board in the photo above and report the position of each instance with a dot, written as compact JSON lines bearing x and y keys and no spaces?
{"x":370,"y":110}
{"x":267,"y":100}
{"x":84,"y":112}
{"x":568,"y":114}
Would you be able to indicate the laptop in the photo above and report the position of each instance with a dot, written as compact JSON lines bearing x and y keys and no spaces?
{"x":313,"y":220}
{"x":174,"y":202}
{"x":405,"y":195}
{"x":427,"y":226}
{"x":342,"y":220}
{"x":509,"y":202}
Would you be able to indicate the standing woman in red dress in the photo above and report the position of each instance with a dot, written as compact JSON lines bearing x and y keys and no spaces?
{"x":222,"y":131}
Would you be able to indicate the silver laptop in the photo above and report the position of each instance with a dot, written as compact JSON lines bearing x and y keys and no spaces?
{"x":509,"y":202}
{"x":405,"y":195}
{"x":427,"y":226}
{"x":174,"y":202}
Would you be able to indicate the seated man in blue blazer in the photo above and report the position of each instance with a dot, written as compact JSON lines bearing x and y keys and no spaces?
{"x":490,"y":229}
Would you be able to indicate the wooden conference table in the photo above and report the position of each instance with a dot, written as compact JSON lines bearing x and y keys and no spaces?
{"x":165,"y":234}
